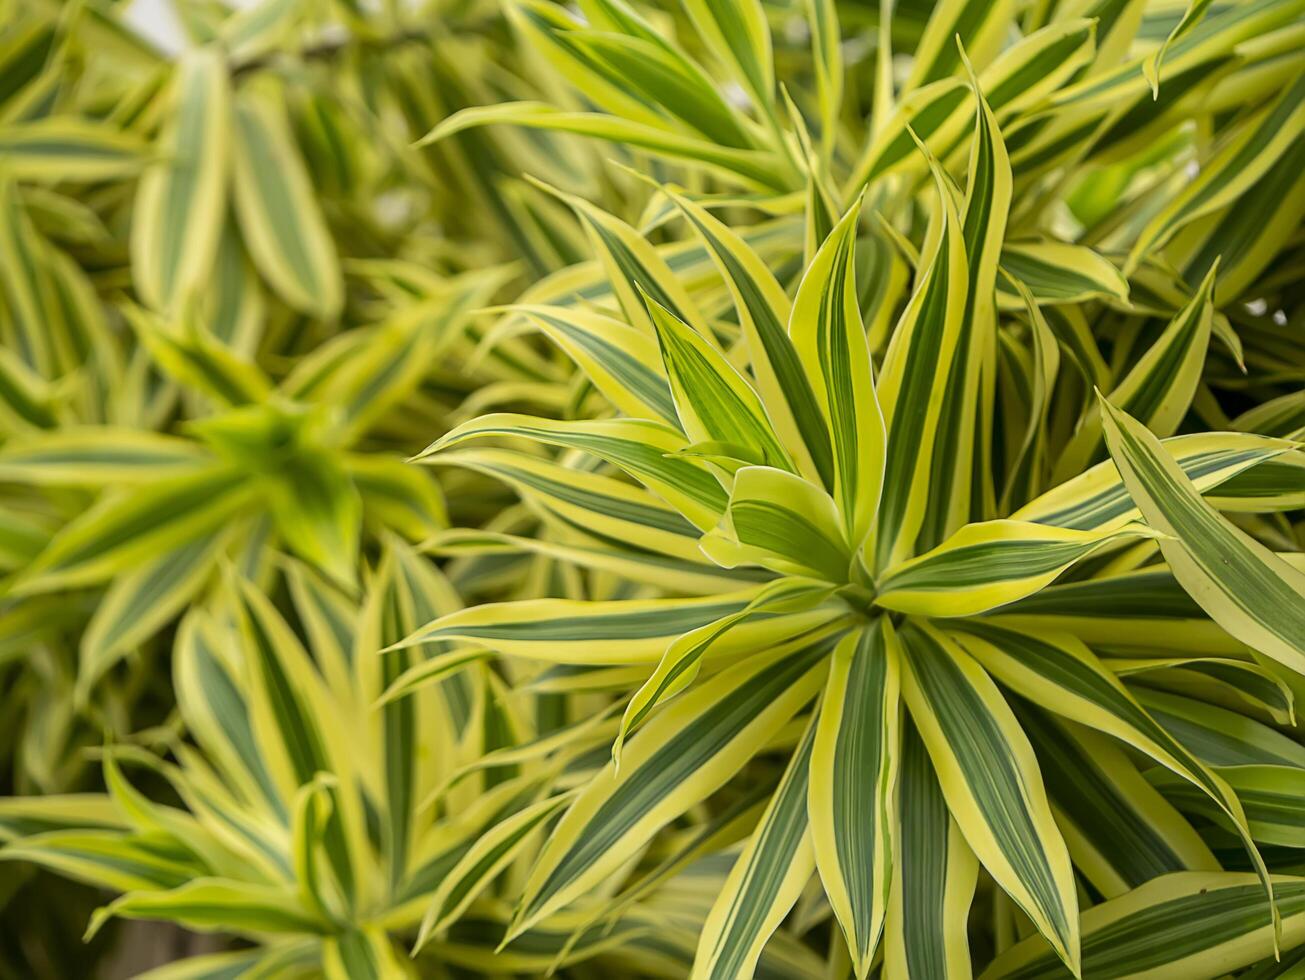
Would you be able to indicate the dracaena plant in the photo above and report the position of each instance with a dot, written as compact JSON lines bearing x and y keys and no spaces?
{"x":211,"y":264}
{"x":262,"y":464}
{"x":334,"y":850}
{"x":896,"y":643}
{"x":320,"y":841}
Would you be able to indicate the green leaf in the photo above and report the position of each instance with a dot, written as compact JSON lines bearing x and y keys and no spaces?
{"x":677,"y":759}
{"x":1247,"y":589}
{"x":181,"y":204}
{"x":766,"y":880}
{"x":989,"y":777}
{"x":853,"y":795}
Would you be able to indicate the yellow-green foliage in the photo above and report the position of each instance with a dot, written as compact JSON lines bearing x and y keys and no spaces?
{"x":695,"y":488}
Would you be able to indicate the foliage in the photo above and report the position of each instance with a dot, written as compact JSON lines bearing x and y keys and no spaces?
{"x":862,"y":528}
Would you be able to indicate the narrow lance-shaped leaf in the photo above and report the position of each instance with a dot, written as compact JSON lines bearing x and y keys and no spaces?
{"x":643,"y":449}
{"x":764,"y":311}
{"x":25,"y":295}
{"x":715,"y":403}
{"x":782,"y":522}
{"x":69,"y":148}
{"x":492,"y":851}
{"x":596,"y":505}
{"x":1264,"y":137}
{"x":1028,"y":471}
{"x":827,"y":54}
{"x":765,"y":881}
{"x":290,"y":718}
{"x":1066,"y":677}
{"x":986,"y":565}
{"x":623,"y":631}
{"x":1098,"y":499}
{"x":679,"y":758}
{"x":1158,"y":389}
{"x":960,"y":484}
{"x":782,"y":612}
{"x":211,"y":698}
{"x":852,"y":800}
{"x":103,"y":859}
{"x":1191,"y":17}
{"x":213,"y":904}
{"x":362,"y":954}
{"x":990,"y":779}
{"x":1245,"y":587}
{"x":976,"y":25}
{"x":913,"y":382}
{"x":754,"y":168}
{"x":181,"y":202}
{"x":282,"y":226}
{"x":1192,"y":923}
{"x":634,"y":267}
{"x":126,"y":528}
{"x":1119,"y":830}
{"x":934,"y":876}
{"x":621,"y":361}
{"x":737,"y":33}
{"x":1057,"y":274}
{"x":1218,"y":736}
{"x":141,"y":602}
{"x":97,"y":456}
{"x":831,"y":341}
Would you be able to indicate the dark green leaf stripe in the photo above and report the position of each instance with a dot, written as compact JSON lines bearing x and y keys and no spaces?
{"x":782,"y":531}
{"x":263,"y":165}
{"x":84,"y":851}
{"x":1181,"y":927}
{"x":196,"y":503}
{"x":1075,"y":677}
{"x":1048,"y":57}
{"x":475,"y":875}
{"x":635,"y":272}
{"x":194,"y":107}
{"x":659,"y":518}
{"x":719,"y":407}
{"x":859,"y":780}
{"x":966,"y":24}
{"x":980,"y":224}
{"x":833,"y":336}
{"x":1048,"y":282}
{"x":1137,"y":595}
{"x":166,"y":582}
{"x":231,"y":713}
{"x":925,"y":122}
{"x":1243,"y":223}
{"x":1220,"y":550}
{"x":298,"y":726}
{"x":1269,"y":127}
{"x":357,"y":956}
{"x":606,"y":626}
{"x":1090,"y":799}
{"x":988,"y":768}
{"x":636,"y":458}
{"x":776,"y":845}
{"x":922,"y":371}
{"x":779,"y":352}
{"x":677,"y":760}
{"x":981,"y":564}
{"x":456,"y":689}
{"x":1218,"y":736}
{"x":1106,"y":505}
{"x":646,"y":385}
{"x":399,"y":723}
{"x":923,"y":854}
